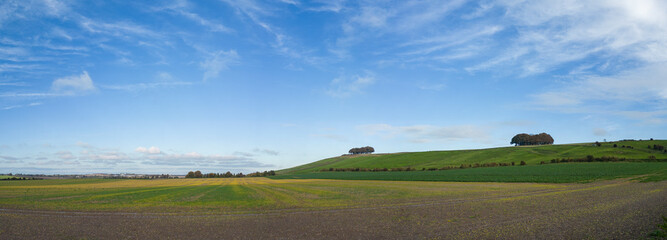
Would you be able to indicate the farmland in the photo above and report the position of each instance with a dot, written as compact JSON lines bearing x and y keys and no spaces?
{"x":227,"y":195}
{"x":308,"y":208}
{"x":554,"y":200}
{"x":630,"y":150}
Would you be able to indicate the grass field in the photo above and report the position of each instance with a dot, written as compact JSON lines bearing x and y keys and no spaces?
{"x":529,"y":154}
{"x":549,"y":173}
{"x":5,"y":176}
{"x":225,"y":195}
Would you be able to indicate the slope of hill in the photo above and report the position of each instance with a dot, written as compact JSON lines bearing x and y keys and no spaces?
{"x":631,"y":150}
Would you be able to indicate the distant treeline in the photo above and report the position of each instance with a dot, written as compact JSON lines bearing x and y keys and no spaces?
{"x":522,"y":139}
{"x":591,"y":158}
{"x":228,"y":174}
{"x":20,"y":178}
{"x":161,"y":176}
{"x":402,"y":169}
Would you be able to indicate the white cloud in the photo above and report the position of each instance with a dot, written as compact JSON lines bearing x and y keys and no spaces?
{"x":400,"y":17}
{"x":325,"y":6}
{"x":600,"y":132}
{"x":266,"y":151}
{"x":258,"y":13}
{"x":345,"y":86}
{"x":195,"y":159}
{"x":121,"y":30}
{"x":56,"y":163}
{"x":181,"y":8}
{"x":642,"y":85}
{"x":164,"y":76}
{"x":9,"y":159}
{"x":65,"y":155}
{"x":109,"y":157}
{"x":73,"y":85}
{"x":428,"y":133}
{"x":150,"y":150}
{"x":146,"y":85}
{"x":552,"y":33}
{"x":217,"y":62}
{"x":22,"y":105}
{"x":637,"y":94}
{"x":65,"y":86}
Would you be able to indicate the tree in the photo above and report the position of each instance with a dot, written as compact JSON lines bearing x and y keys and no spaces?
{"x":527,"y":139}
{"x":362,"y":150}
{"x":191,"y":174}
{"x":198,"y":174}
{"x":520,"y":139}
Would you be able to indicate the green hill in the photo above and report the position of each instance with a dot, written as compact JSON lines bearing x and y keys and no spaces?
{"x":529,"y":154}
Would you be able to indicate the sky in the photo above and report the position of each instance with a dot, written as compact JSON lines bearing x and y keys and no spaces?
{"x":222,"y":85}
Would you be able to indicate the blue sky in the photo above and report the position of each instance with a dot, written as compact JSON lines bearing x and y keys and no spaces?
{"x":173,"y":86}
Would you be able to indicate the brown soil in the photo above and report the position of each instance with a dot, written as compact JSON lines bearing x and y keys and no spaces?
{"x":602,"y":210}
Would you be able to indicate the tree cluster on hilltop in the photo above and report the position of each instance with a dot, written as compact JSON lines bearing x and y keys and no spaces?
{"x":362,"y":150}
{"x":530,"y":139}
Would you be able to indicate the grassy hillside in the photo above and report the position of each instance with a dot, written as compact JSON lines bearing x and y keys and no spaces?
{"x":529,"y":154}
{"x":549,"y":173}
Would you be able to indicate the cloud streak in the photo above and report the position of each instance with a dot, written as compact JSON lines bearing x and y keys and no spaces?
{"x":217,"y":62}
{"x":346,"y":86}
{"x":428,"y":133}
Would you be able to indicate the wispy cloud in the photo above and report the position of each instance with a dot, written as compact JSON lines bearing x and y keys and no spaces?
{"x":118,"y":29}
{"x":66,"y":86}
{"x":345,"y":86}
{"x":644,"y":85}
{"x":22,"y":105}
{"x":550,"y":34}
{"x":10,"y":159}
{"x":266,"y":151}
{"x":195,"y":159}
{"x":323,"y":5}
{"x":150,"y":150}
{"x":428,"y":133}
{"x":283,"y":43}
{"x":617,"y":95}
{"x":182,"y":8}
{"x":217,"y":62}
{"x":155,"y":156}
{"x":65,"y":155}
{"x":73,"y":85}
{"x":144,"y":86}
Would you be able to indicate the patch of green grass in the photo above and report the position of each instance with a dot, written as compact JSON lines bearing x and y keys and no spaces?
{"x":530,"y":154}
{"x":5,"y":176}
{"x":661,"y":233}
{"x":548,"y":173}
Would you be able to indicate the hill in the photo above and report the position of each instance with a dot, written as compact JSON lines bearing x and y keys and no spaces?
{"x":630,"y":150}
